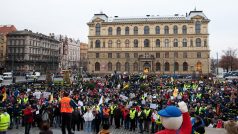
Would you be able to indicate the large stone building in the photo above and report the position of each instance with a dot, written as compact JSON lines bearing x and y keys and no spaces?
{"x":4,"y":30}
{"x":28,"y":51}
{"x":161,"y":44}
{"x":84,"y":56}
{"x":69,"y":53}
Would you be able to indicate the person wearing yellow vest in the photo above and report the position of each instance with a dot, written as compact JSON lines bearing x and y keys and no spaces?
{"x":147,"y":121}
{"x":112,"y":108}
{"x":66,"y":108}
{"x":141,"y":118}
{"x":133,"y":115}
{"x":4,"y":121}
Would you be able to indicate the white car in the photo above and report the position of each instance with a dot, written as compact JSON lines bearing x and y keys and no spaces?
{"x":33,"y":75}
{"x":7,"y":75}
{"x":1,"y":78}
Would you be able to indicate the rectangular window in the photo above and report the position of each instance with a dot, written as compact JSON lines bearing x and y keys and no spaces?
{"x":199,"y":55}
{"x":127,"y":55}
{"x":157,"y":55}
{"x":109,"y":55}
{"x":135,"y":55}
{"x":97,"y":55}
{"x":118,"y":55}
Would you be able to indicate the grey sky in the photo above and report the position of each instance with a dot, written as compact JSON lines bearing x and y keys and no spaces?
{"x":69,"y":17}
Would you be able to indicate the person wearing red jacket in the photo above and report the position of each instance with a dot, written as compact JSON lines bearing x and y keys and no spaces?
{"x":175,"y":121}
{"x":28,"y":118}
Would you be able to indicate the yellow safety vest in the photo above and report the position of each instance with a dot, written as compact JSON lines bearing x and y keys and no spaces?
{"x":19,"y":101}
{"x":132,"y":114}
{"x":4,"y":121}
{"x":147,"y":112}
{"x":158,"y":120}
{"x":112,"y":109}
{"x":25,"y":100}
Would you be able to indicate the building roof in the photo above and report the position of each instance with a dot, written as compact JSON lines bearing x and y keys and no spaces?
{"x":150,"y":18}
{"x":5,"y":29}
{"x":30,"y":33}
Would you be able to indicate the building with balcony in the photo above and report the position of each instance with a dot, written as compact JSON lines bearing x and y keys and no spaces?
{"x":28,"y":51}
{"x":161,"y":44}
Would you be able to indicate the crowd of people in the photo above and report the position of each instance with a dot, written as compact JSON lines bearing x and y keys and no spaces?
{"x":119,"y":101}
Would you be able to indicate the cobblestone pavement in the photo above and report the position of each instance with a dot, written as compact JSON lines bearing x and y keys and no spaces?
{"x":113,"y":131}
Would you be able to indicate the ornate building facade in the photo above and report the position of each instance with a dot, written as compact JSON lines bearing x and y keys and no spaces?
{"x":28,"y":51}
{"x":161,"y":44}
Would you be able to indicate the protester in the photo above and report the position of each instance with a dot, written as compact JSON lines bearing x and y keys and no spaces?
{"x":115,"y":97}
{"x":88,"y":118}
{"x":67,"y":105}
{"x":4,"y":121}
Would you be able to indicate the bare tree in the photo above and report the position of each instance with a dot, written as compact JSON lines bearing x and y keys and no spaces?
{"x":229,"y":60}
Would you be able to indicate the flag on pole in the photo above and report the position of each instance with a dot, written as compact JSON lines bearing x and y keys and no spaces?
{"x":101,"y":100}
{"x":4,"y":93}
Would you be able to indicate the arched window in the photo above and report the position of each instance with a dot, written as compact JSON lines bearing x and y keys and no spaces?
{"x":175,"y":42}
{"x":198,"y":42}
{"x":166,"y":65}
{"x":118,"y":31}
{"x":110,"y":31}
{"x":199,"y":66}
{"x":109,"y":66}
{"x":127,"y":67}
{"x":135,"y":30}
{"x":184,"y":29}
{"x":146,"y":43}
{"x":135,"y":66}
{"x":146,"y":30}
{"x":110,"y":44}
{"x":135,"y":43}
{"x":166,"y":30}
{"x":97,"y":44}
{"x":157,"y":30}
{"x":184,"y":42}
{"x":158,"y":66}
{"x":98,"y":29}
{"x":175,"y":29}
{"x":166,"y":43}
{"x":198,"y":27}
{"x":157,"y":43}
{"x":118,"y":43}
{"x":185,"y":66}
{"x":127,"y":31}
{"x":97,"y":66}
{"x":127,"y":43}
{"x":176,"y":66}
{"x":118,"y":66}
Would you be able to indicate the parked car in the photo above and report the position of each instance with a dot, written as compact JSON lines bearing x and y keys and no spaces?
{"x":1,"y":78}
{"x":32,"y":75}
{"x":7,"y":75}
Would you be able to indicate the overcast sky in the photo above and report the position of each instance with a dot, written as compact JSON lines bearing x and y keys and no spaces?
{"x":69,"y":17}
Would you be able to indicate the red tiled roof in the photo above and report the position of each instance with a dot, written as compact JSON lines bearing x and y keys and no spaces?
{"x":5,"y":29}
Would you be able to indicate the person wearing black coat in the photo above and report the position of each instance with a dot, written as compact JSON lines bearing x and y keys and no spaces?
{"x":117,"y":117}
{"x":75,"y":119}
